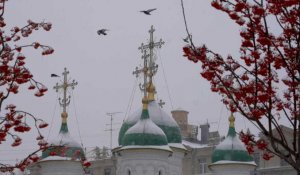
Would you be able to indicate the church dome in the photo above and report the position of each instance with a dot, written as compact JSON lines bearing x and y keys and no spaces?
{"x":231,"y":148}
{"x":144,"y":133}
{"x":165,"y":122}
{"x":64,"y":145}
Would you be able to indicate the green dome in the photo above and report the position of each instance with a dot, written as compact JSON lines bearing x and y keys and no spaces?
{"x":144,"y":133}
{"x":64,"y":146}
{"x":231,"y":149}
{"x":159,"y":117}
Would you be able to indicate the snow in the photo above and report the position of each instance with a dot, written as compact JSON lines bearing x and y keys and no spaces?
{"x":179,"y":109}
{"x":15,"y":172}
{"x":157,"y":115}
{"x":233,"y":162}
{"x":231,"y":143}
{"x":193,"y":145}
{"x":177,"y":145}
{"x":65,"y":139}
{"x":55,"y":158}
{"x":163,"y":147}
{"x":145,"y":126}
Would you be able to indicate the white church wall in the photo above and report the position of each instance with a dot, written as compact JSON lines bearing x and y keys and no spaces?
{"x":232,"y":168}
{"x":143,"y":162}
{"x":57,"y":167}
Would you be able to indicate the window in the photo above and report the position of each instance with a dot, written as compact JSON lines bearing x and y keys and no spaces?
{"x":159,"y":173}
{"x":203,"y":165}
{"x":107,"y":171}
{"x":128,"y":172}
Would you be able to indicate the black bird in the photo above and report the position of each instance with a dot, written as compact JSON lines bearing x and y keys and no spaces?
{"x":148,"y":12}
{"x":102,"y":32}
{"x":187,"y":38}
{"x":54,"y":75}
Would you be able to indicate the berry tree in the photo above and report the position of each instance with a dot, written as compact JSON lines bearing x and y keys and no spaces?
{"x":263,"y":83}
{"x":13,"y":75}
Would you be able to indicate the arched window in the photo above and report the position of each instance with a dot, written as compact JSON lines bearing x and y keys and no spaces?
{"x":160,"y":172}
{"x":128,"y":172}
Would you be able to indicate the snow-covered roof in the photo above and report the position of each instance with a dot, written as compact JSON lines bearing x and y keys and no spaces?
{"x":231,"y":143}
{"x":177,"y":145}
{"x":223,"y":162}
{"x":157,"y":115}
{"x":145,"y":133}
{"x":168,"y":125}
{"x":145,"y":126}
{"x":179,"y":109}
{"x":193,"y":145}
{"x":231,"y":149}
{"x":65,"y":139}
{"x":161,"y":147}
{"x":56,"y":158}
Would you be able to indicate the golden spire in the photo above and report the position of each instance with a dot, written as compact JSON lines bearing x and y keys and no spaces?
{"x":145,"y":102}
{"x":64,"y":116}
{"x":151,"y":91}
{"x":231,"y":120}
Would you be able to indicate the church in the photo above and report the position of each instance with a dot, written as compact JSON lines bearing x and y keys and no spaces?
{"x":150,"y":140}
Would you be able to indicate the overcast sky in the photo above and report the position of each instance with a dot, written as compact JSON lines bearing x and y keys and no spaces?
{"x":103,"y":65}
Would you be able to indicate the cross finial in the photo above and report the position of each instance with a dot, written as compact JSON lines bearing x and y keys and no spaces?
{"x":151,"y":67}
{"x":150,"y":46}
{"x":152,"y":30}
{"x":161,"y":103}
{"x":65,"y":101}
{"x":145,"y":71}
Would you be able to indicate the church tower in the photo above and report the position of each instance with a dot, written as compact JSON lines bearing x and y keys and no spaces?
{"x":230,"y":157}
{"x":149,"y":139}
{"x":64,"y":155}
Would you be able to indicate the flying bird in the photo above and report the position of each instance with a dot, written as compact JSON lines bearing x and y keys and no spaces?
{"x":148,"y":12}
{"x":54,"y":75}
{"x":187,"y":38}
{"x":102,"y":32}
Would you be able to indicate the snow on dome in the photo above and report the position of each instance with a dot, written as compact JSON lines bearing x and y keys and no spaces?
{"x":231,"y":149}
{"x":144,"y":133}
{"x":231,"y":143}
{"x":65,"y":139}
{"x":64,"y":145}
{"x":157,"y":115}
{"x":145,"y":126}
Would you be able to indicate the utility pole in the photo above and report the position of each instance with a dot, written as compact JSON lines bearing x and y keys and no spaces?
{"x":111,"y":115}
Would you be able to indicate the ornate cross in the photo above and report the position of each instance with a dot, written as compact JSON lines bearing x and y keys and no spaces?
{"x":145,"y":71}
{"x":64,"y":86}
{"x":151,"y":45}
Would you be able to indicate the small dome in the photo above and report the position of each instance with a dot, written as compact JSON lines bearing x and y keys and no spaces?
{"x":231,"y":149}
{"x":144,"y":133}
{"x":159,"y":117}
{"x":64,"y":145}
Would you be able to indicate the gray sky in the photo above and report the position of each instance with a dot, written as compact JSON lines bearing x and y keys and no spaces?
{"x":103,"y":65}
